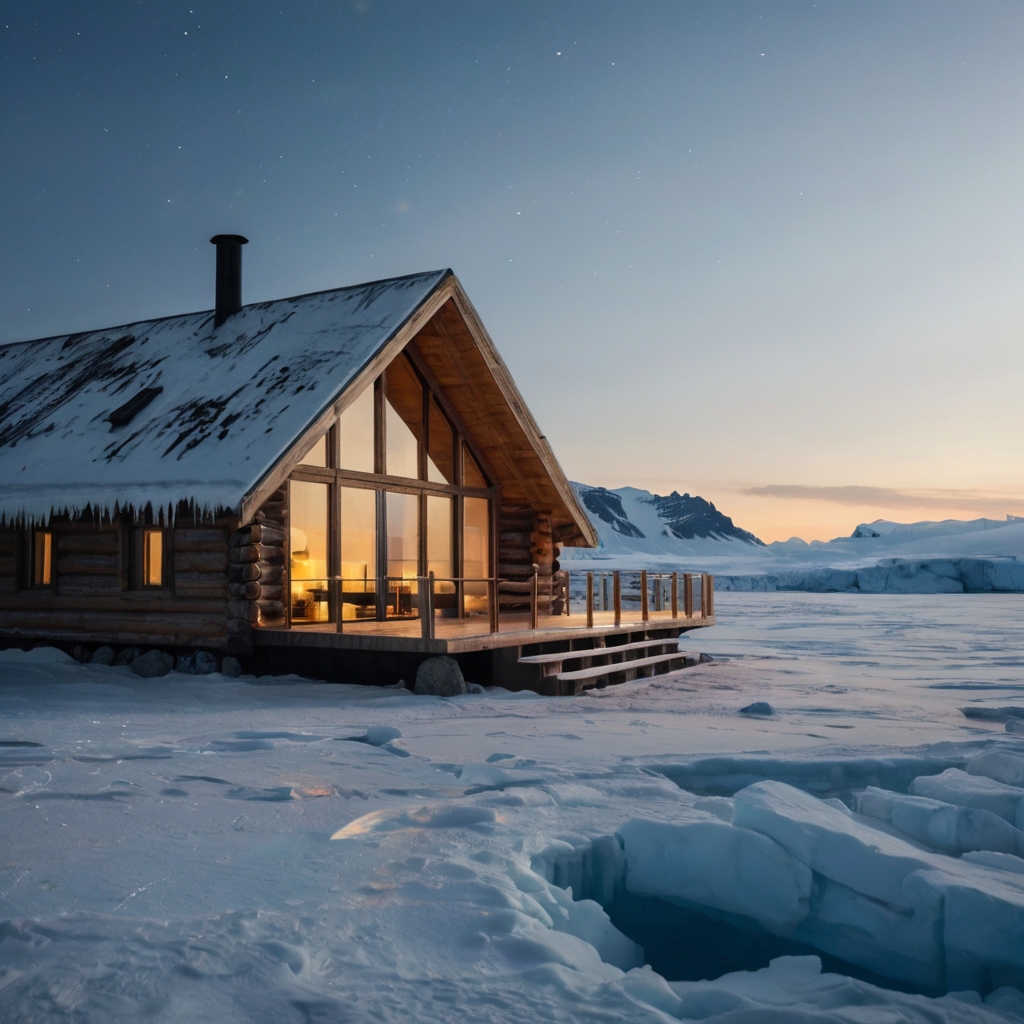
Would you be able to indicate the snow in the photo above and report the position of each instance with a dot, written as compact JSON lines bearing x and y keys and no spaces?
{"x":234,"y":399}
{"x":275,"y":849}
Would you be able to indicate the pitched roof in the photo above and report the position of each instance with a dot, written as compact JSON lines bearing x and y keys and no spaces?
{"x":223,"y":405}
{"x":171,"y":410}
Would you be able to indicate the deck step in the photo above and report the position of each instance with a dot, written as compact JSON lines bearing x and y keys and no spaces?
{"x":581,"y":675}
{"x":594,"y":652}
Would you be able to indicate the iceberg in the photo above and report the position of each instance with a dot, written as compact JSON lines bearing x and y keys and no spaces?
{"x":942,"y":826}
{"x":805,"y":869}
{"x":966,"y":790}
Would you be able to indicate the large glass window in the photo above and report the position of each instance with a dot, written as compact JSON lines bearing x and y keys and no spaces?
{"x":439,"y":536}
{"x":403,"y":548}
{"x":356,"y":427}
{"x":471,"y":474}
{"x":309,"y":545}
{"x":317,"y":455}
{"x":440,"y":446}
{"x":476,"y":553}
{"x":404,"y":414}
{"x":439,"y":554}
{"x":358,"y":553}
{"x":379,"y":543}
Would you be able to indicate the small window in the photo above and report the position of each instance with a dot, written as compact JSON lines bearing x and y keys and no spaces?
{"x":153,"y":558}
{"x":42,"y":558}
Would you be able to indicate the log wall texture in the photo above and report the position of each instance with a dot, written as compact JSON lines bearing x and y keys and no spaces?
{"x":256,"y":573}
{"x":95,"y":596}
{"x":525,"y":540}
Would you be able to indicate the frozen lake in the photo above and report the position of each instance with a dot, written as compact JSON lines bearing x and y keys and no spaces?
{"x":166,"y":846}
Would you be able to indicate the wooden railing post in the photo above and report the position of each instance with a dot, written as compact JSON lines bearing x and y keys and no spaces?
{"x":711,"y":597}
{"x":703,"y":595}
{"x":421,"y":586}
{"x":617,"y":596}
{"x":590,"y":600}
{"x":604,"y":592}
{"x":492,"y":603}
{"x":644,"y":610}
{"x":688,"y":595}
{"x":534,"y":610}
{"x":675,"y":595}
{"x":565,"y":580}
{"x":339,"y":593}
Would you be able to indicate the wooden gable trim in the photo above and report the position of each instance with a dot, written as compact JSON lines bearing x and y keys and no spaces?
{"x":570,"y":516}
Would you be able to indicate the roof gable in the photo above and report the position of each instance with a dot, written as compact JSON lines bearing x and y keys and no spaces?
{"x":215,"y":409}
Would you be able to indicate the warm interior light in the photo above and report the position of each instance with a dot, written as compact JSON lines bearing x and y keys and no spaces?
{"x":43,"y":562}
{"x":153,"y":558}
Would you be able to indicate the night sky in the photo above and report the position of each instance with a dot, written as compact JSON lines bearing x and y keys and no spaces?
{"x":771,"y":253}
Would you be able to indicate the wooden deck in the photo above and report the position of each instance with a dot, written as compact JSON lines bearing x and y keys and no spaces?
{"x":455,"y":636}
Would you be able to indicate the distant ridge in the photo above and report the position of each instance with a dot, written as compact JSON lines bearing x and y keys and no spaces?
{"x":653,"y":521}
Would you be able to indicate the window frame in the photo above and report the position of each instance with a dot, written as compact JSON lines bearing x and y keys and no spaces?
{"x":136,"y":577}
{"x":34,"y":535}
{"x":381,"y":482}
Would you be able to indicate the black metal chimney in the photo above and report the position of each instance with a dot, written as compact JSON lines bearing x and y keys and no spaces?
{"x":229,"y":276}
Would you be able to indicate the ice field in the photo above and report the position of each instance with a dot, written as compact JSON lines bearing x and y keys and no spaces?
{"x":201,"y":848}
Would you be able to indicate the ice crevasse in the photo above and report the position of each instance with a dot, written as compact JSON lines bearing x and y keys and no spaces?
{"x":860,"y":886}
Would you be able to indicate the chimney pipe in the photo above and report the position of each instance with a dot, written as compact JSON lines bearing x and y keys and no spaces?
{"x":229,"y":276}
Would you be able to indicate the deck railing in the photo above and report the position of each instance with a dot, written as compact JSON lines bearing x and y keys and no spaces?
{"x":652,"y":595}
{"x":671,"y":595}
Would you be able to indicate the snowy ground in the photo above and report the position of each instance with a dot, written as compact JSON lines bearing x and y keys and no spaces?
{"x":166,"y":847}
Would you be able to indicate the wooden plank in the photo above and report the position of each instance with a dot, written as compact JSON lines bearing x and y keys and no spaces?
{"x":597,"y":671}
{"x":106,"y":542}
{"x":595,"y":652}
{"x":212,"y":562}
{"x":379,"y":640}
{"x":87,"y":586}
{"x":127,"y":623}
{"x":87,"y":565}
{"x":132,"y":602}
{"x":199,"y":540}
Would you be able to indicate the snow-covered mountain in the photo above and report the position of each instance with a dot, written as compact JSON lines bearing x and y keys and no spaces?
{"x":638,"y":529}
{"x":629,"y":520}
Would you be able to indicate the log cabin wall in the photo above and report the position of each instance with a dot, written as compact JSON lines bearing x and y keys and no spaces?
{"x":8,"y":568}
{"x":95,"y":597}
{"x":525,"y":539}
{"x":256,"y":558}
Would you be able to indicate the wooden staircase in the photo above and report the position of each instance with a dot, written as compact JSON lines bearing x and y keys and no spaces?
{"x":565,"y":673}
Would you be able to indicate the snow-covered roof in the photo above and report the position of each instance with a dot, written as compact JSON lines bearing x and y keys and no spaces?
{"x":203,"y":414}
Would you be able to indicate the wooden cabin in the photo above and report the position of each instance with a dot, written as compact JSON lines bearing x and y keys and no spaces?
{"x":339,"y":484}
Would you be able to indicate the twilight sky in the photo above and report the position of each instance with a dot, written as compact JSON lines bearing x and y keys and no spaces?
{"x":770,"y":253}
